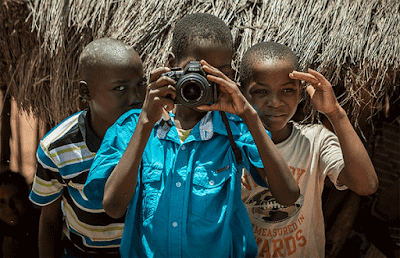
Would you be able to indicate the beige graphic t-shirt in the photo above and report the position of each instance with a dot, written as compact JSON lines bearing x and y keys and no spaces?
{"x":312,"y":153}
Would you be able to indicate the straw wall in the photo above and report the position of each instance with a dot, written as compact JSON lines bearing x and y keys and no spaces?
{"x":354,"y":43}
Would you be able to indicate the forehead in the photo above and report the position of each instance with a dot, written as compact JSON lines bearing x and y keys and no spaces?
{"x":114,"y":66}
{"x":271,"y":65}
{"x":125,"y":59}
{"x":217,"y":55}
{"x":272,"y":72}
{"x":271,"y":69}
{"x":102,"y":55}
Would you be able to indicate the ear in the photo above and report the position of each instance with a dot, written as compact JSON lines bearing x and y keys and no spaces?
{"x":171,"y":62}
{"x":84,"y":90}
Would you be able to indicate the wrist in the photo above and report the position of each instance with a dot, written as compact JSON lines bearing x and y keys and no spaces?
{"x":249,"y":114}
{"x":337,"y":115}
{"x":145,"y":122}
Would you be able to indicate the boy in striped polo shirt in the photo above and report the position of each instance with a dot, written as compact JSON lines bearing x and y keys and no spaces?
{"x":112,"y":76}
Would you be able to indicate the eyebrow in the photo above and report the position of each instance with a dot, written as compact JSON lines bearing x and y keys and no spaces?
{"x":285,"y":84}
{"x":117,"y":81}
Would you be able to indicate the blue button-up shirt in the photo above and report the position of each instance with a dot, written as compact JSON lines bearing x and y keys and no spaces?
{"x":187,"y":201}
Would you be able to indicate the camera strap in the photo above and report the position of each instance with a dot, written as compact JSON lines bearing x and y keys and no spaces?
{"x":236,"y":150}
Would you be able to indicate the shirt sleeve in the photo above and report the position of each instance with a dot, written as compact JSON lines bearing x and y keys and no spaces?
{"x":331,"y":157}
{"x":48,"y":184}
{"x":251,"y":158}
{"x":111,"y":150}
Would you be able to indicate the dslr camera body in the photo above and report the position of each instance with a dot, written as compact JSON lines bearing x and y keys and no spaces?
{"x":192,"y":87}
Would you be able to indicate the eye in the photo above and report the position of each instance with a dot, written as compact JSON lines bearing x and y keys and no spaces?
{"x":120,"y":88}
{"x":260,"y":91}
{"x":288,"y":90}
{"x":137,"y":103}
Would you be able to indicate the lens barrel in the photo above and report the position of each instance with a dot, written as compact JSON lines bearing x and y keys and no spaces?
{"x":193,"y":90}
{"x":192,"y":87}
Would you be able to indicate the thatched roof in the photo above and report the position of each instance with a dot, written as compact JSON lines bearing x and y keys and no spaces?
{"x":354,"y":43}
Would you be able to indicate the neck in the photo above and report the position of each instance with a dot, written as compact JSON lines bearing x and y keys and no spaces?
{"x":186,"y":118}
{"x":99,"y":128}
{"x":281,"y":135}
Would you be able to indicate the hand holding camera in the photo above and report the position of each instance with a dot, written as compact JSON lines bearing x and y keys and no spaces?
{"x":230,"y":98}
{"x":158,"y":100}
{"x":192,"y":87}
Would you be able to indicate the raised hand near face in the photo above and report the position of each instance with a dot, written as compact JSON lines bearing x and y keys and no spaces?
{"x":230,"y":98}
{"x":320,"y":90}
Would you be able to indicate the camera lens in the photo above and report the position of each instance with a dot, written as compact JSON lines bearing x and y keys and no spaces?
{"x":191,"y":91}
{"x":192,"y":86}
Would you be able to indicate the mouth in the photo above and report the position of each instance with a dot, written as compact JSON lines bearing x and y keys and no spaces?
{"x":272,"y":115}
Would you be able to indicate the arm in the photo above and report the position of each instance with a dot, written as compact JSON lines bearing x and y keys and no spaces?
{"x":120,"y":186}
{"x":358,"y":173}
{"x":276,"y":173}
{"x":50,"y":229}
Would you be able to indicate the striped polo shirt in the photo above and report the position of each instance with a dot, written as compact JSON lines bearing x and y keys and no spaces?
{"x":64,"y":157}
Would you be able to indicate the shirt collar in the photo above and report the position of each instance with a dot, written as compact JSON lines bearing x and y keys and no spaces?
{"x":211,"y":123}
{"x":92,"y":140}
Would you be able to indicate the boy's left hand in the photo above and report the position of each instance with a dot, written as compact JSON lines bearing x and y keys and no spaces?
{"x":320,"y":90}
{"x":230,"y":98}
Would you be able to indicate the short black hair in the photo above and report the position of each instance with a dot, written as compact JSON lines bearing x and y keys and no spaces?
{"x":197,"y":29}
{"x":264,"y":51}
{"x":101,"y":52}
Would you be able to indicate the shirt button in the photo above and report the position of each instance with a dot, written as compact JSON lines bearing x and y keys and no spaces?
{"x":175,"y":224}
{"x":183,"y":147}
{"x":211,"y":182}
{"x":178,"y":184}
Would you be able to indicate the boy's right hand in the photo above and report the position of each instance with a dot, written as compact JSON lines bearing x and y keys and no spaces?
{"x":160,"y":95}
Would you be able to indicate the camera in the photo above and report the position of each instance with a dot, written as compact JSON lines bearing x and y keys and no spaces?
{"x":192,"y":87}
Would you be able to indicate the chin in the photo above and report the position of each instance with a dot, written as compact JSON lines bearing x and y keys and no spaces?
{"x":274,"y":125}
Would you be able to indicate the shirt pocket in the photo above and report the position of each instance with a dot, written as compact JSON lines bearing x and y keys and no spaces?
{"x":210,"y":192}
{"x":152,"y":188}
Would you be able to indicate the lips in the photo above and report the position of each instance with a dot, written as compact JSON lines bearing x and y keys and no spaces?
{"x":274,"y":114}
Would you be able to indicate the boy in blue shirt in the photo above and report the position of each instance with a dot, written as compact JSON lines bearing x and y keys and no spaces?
{"x":174,"y":174}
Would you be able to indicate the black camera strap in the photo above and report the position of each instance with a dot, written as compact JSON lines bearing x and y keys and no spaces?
{"x":236,"y":150}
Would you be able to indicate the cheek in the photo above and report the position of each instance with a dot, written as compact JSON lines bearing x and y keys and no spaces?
{"x":256,"y":101}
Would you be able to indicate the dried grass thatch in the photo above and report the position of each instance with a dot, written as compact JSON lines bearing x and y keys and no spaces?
{"x":354,"y":43}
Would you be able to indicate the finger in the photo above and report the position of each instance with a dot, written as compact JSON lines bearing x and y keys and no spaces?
{"x":161,"y":82}
{"x":212,"y":70}
{"x":156,"y":73}
{"x":166,"y":115}
{"x":169,"y":106}
{"x":310,"y":90}
{"x":212,"y":107}
{"x":226,"y":85}
{"x":167,"y":91}
{"x":307,"y":77}
{"x":319,"y":76}
{"x":205,"y":63}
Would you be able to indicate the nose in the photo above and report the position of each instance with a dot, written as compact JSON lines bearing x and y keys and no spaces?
{"x":273,"y":100}
{"x":134,"y":96}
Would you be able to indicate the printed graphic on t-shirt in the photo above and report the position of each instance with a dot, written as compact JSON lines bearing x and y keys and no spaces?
{"x":262,"y":206}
